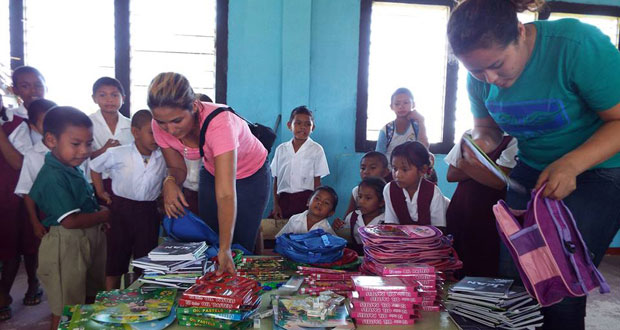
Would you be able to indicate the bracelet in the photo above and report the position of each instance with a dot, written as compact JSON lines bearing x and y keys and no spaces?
{"x":168,"y":178}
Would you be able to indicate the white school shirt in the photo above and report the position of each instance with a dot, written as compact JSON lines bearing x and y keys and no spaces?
{"x":438,"y":208}
{"x":193,"y":173}
{"x":296,"y":170}
{"x":21,"y":111}
{"x":506,"y":159}
{"x":33,"y":162}
{"x":131,"y":178}
{"x":380,"y":219}
{"x":102,"y":133}
{"x":23,"y":138}
{"x":354,"y":192}
{"x":397,"y":138}
{"x":298,"y":224}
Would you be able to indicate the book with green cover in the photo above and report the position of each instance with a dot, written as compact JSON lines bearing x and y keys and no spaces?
{"x":196,"y":321}
{"x":132,"y":306}
{"x":80,"y":317}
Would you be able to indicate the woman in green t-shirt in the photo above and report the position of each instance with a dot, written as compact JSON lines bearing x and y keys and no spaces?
{"x":555,"y":86}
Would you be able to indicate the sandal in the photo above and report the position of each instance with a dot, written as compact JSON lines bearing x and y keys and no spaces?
{"x":31,"y":299}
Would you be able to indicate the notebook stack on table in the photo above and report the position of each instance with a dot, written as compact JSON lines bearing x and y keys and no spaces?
{"x":493,"y":302}
{"x":174,"y":264}
{"x":223,"y":301}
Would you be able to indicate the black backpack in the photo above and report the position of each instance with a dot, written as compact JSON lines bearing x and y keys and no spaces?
{"x":263,"y":133}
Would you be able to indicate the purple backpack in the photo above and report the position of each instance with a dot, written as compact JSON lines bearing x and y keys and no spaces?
{"x":552,"y":259}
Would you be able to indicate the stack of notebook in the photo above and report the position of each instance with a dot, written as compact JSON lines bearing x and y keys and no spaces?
{"x":381,"y":300}
{"x":174,"y":264}
{"x":493,"y":302}
{"x":223,"y":301}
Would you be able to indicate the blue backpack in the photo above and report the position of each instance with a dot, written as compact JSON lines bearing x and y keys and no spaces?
{"x":190,"y":228}
{"x":313,"y":247}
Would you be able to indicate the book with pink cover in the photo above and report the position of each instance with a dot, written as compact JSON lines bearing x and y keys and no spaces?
{"x":360,"y":303}
{"x":405,"y":269}
{"x":405,"y":300}
{"x":372,"y":321}
{"x":382,"y":283}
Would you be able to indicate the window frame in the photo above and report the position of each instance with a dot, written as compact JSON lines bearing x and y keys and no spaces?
{"x":122,"y":44}
{"x":362,"y":144}
{"x":580,"y":8}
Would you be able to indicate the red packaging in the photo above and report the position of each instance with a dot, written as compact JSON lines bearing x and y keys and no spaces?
{"x":384,"y":321}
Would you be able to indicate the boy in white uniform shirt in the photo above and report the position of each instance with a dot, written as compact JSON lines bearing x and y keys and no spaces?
{"x":137,"y":171}
{"x":321,"y":206}
{"x":297,"y":166}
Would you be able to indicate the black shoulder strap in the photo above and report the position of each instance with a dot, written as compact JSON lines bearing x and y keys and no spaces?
{"x":205,"y":124}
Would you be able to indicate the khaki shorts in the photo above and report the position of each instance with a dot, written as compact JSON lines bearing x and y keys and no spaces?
{"x":72,"y":265}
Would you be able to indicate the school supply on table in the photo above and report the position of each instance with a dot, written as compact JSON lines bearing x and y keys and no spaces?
{"x":223,"y":301}
{"x":316,"y":246}
{"x":133,"y":306}
{"x":325,"y":311}
{"x":177,"y":251}
{"x":264,"y":134}
{"x":491,"y":165}
{"x":79,"y":317}
{"x":548,"y":240}
{"x":492,"y":302}
{"x":394,"y":244}
{"x":385,"y":300}
{"x":263,"y":268}
{"x":318,"y":280}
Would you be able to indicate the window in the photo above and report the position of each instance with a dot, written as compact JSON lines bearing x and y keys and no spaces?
{"x":609,"y":25}
{"x":70,"y":50}
{"x":464,"y":118}
{"x":5,"y":40}
{"x":185,"y":43}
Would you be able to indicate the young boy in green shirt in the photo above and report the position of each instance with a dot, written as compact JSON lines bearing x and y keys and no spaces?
{"x":72,"y":254}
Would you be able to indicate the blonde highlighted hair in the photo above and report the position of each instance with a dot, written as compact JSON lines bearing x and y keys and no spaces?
{"x":170,"y":89}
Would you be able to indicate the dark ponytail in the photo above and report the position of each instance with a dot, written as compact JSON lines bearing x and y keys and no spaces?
{"x":476,"y":24}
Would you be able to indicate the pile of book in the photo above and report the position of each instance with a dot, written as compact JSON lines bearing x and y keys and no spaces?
{"x":493,"y":302}
{"x":395,"y":244}
{"x":423,"y":276}
{"x":174,"y":264}
{"x":379,"y":300}
{"x":222,"y":301}
{"x":319,"y":280}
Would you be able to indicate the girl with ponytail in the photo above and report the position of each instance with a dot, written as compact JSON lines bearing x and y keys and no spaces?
{"x":555,"y":86}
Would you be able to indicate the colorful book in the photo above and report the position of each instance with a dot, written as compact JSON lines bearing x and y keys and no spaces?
{"x":196,"y":321}
{"x":373,"y":321}
{"x":364,"y":284}
{"x":133,"y":306}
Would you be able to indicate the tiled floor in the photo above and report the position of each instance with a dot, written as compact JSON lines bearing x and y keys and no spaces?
{"x":603,"y":310}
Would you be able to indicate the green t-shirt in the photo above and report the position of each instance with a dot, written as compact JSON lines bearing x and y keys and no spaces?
{"x":573,"y":73}
{"x":61,"y":190}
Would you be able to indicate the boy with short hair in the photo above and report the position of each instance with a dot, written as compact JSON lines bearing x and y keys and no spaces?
{"x":297,"y":166}
{"x":322,"y":205}
{"x":137,"y":171}
{"x":72,"y":253}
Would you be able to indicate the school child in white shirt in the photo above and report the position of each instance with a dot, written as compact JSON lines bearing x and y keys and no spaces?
{"x":410,"y":198}
{"x":137,"y":171}
{"x":297,"y":166}
{"x":370,"y":210}
{"x":110,"y":127}
{"x":321,"y":206}
{"x":33,"y":161}
{"x":28,"y":85}
{"x":372,"y":164}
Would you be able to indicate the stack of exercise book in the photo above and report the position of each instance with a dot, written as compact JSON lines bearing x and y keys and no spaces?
{"x":394,"y":244}
{"x":222,"y":301}
{"x":379,"y":300}
{"x":493,"y":302}
{"x":174,"y":264}
{"x":318,"y":280}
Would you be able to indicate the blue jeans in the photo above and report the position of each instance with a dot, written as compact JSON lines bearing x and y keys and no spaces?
{"x":252,"y":196}
{"x":594,"y":204}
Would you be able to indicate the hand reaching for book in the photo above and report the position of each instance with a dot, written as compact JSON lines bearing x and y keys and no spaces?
{"x":225,"y":262}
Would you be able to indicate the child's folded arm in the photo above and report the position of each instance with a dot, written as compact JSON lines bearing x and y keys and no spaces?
{"x":80,"y":220}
